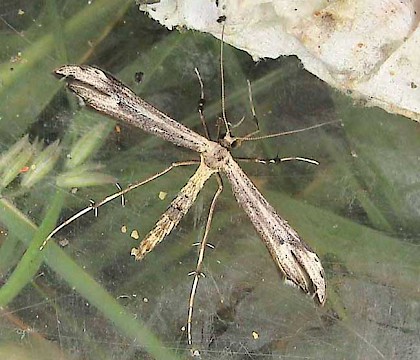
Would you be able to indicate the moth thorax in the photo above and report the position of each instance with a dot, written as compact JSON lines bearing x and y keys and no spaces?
{"x":215,"y":156}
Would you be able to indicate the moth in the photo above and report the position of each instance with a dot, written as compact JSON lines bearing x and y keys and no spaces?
{"x":296,"y":260}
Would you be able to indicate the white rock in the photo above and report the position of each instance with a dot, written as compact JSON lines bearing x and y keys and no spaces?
{"x":369,"y":47}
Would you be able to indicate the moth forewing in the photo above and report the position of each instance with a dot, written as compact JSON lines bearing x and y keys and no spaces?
{"x":175,"y":212}
{"x":108,"y":95}
{"x":296,"y":260}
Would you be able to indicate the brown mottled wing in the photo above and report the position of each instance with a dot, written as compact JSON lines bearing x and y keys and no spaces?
{"x":175,"y":212}
{"x":108,"y":95}
{"x":296,"y":260}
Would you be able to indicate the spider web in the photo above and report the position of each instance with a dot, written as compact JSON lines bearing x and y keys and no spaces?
{"x":359,"y":212}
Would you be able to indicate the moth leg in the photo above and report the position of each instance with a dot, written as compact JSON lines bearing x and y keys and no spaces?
{"x":254,"y":114}
{"x":197,"y":273}
{"x":201,"y":104}
{"x":277,"y":160}
{"x":94,"y":206}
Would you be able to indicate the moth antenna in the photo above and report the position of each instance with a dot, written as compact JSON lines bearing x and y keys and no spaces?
{"x":269,"y":136}
{"x":222,"y":76}
{"x":201,"y":104}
